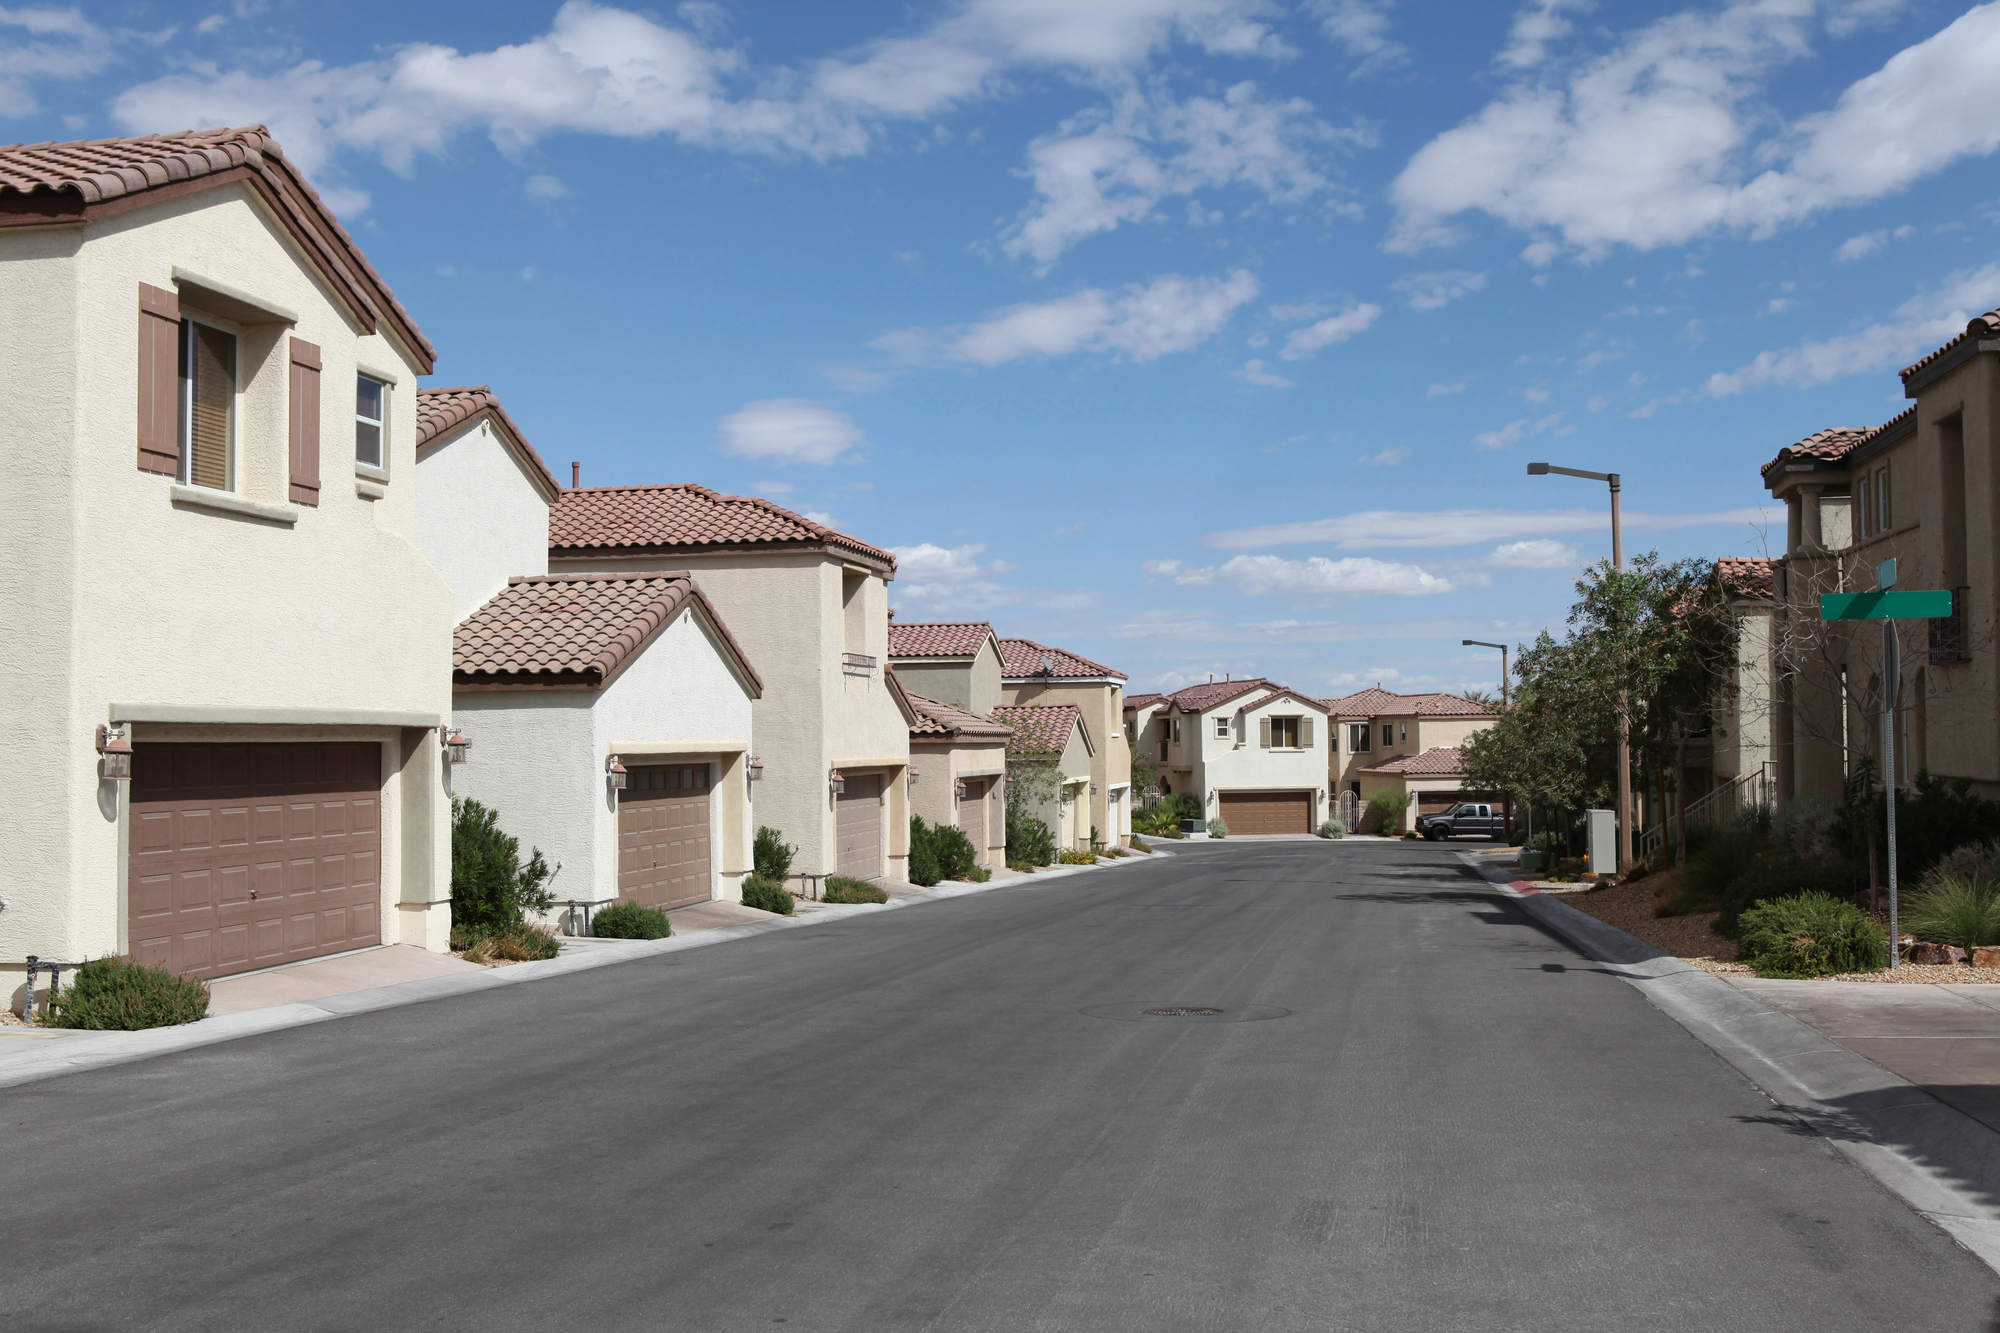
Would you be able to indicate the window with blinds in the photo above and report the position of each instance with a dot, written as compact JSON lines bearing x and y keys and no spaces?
{"x":208,"y":407}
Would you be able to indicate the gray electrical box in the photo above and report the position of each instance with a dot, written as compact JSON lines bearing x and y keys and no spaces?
{"x":1603,"y":842}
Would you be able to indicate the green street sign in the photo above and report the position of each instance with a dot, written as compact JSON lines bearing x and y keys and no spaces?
{"x":1885,"y":605}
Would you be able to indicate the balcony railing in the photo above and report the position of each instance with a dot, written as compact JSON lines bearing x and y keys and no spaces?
{"x":857,"y":664}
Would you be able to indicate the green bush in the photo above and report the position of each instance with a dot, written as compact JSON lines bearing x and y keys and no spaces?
{"x":491,"y":889}
{"x":1385,"y":811}
{"x":1218,"y":827}
{"x":841,"y":889}
{"x":1955,"y":909}
{"x":1181,"y":805}
{"x":629,"y":921}
{"x":767,"y":896}
{"x":1777,"y":874}
{"x":1030,"y":841}
{"x":1810,"y":935}
{"x":1078,"y":858}
{"x":1332,"y":828}
{"x":112,"y":994}
{"x":924,"y":870}
{"x":955,"y":853}
{"x":979,"y":874}
{"x":771,"y":856}
{"x":1714,"y":863}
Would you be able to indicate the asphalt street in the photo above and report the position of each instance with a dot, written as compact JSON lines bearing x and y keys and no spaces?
{"x":1416,"y":1111}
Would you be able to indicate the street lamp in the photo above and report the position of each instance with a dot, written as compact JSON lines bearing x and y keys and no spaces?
{"x":1481,"y":643}
{"x":1624,"y":726}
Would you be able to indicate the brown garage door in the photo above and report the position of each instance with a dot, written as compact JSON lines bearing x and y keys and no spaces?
{"x":1268,"y":811}
{"x":245,"y":856}
{"x":858,"y":822}
{"x":663,"y":836}
{"x":972,"y":814}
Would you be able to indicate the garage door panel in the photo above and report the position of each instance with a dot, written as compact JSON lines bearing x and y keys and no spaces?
{"x":663,"y":851}
{"x":232,"y":949}
{"x":1267,"y":812}
{"x":232,"y":826}
{"x":364,"y":817}
{"x":196,"y":955}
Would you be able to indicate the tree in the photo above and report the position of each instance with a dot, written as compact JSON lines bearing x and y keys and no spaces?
{"x":491,"y":888}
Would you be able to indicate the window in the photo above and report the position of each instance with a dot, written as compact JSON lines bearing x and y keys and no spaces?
{"x":371,"y":419}
{"x":1222,"y":731}
{"x":1131,"y":732}
{"x":208,"y":407}
{"x":1883,"y":514}
{"x":1862,"y":511}
{"x":1284,"y":733}
{"x":1388,"y":734}
{"x":1406,"y":732}
{"x":1358,"y":736}
{"x":1177,"y":731}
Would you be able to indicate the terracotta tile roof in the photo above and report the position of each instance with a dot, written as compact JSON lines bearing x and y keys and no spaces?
{"x":551,"y":629}
{"x":1021,"y":658}
{"x":1282,"y":693}
{"x":937,"y":638}
{"x":1827,"y":446}
{"x":1434,"y":762}
{"x":937,"y":718}
{"x":440,"y":411}
{"x":89,"y":177}
{"x":680,"y":518}
{"x":1201,"y":698}
{"x":1039,"y":729}
{"x":1378,"y":702}
{"x":1984,"y":326}
{"x":1747,"y":576}
{"x":1906,"y":416}
{"x":1142,"y":700}
{"x":1371,"y":702}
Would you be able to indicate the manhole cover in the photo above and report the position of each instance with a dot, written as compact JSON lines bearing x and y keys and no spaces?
{"x":1183,"y":1011}
{"x":1192,"y":1014}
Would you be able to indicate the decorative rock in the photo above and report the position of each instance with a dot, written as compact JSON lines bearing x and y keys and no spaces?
{"x":1986,"y":956}
{"x":1933,"y":954}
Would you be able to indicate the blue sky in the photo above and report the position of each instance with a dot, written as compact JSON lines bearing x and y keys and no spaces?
{"x":1192,"y":335}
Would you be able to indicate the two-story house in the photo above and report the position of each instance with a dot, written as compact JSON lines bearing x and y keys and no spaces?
{"x":1043,"y":676}
{"x":1051,"y":755}
{"x":950,"y":676}
{"x":1408,"y":743}
{"x":1248,"y":749}
{"x":228,"y":662}
{"x":609,"y":714}
{"x":809,"y":606}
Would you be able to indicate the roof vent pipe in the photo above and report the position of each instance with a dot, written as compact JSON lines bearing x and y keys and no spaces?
{"x":575,"y":476}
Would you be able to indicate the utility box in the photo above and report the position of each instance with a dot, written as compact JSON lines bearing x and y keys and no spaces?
{"x":1603,"y":841}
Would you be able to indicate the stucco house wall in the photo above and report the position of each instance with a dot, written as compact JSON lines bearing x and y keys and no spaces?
{"x":934,"y":795}
{"x":483,"y":517}
{"x":1103,"y":707}
{"x":134,"y":599}
{"x":1239,"y":763}
{"x":971,"y":683}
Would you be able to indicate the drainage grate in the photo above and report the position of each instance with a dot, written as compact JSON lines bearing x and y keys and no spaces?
{"x":1183,"y":1011}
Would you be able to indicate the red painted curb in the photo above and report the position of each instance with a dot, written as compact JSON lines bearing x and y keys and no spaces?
{"x":1522,"y":887}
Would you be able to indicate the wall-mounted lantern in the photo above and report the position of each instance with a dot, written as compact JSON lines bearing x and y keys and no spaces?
{"x":913,"y":775}
{"x":117,"y":752}
{"x":958,"y":789}
{"x":1093,"y":789}
{"x":615,"y":772}
{"x":837,"y":782}
{"x":454,"y":743}
{"x":756,"y":769}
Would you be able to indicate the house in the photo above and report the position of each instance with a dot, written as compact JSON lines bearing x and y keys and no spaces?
{"x":1147,"y":738}
{"x":1433,"y":780}
{"x":1921,"y":489}
{"x":1249,"y":749}
{"x":609,"y":716}
{"x":1373,"y":728}
{"x":958,"y":772}
{"x":1049,"y":759}
{"x":950,"y":675}
{"x":810,"y":607}
{"x":211,"y":575}
{"x":1040,"y":675}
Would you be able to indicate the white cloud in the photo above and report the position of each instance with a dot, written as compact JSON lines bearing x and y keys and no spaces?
{"x":789,"y":430}
{"x":1921,"y":323}
{"x":60,"y":44}
{"x":1440,"y":390}
{"x":1654,"y":142}
{"x":1429,"y":291}
{"x":1262,"y":575}
{"x":1869,"y":242}
{"x":819,"y":516}
{"x":1389,"y":457}
{"x":546,"y":187}
{"x":1535,"y":553}
{"x":1361,"y":27}
{"x":1143,"y":322}
{"x":1534,"y":28}
{"x":1391,"y":528}
{"x":1500,"y":439}
{"x":777,"y":488}
{"x":929,"y":563}
{"x":1253,"y":371}
{"x":1333,"y":329}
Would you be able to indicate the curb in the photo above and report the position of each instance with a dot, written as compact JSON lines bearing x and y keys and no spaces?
{"x":73,"y":1052}
{"x":1941,"y":1162}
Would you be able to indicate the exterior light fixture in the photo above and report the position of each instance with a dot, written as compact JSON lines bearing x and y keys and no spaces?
{"x":454,"y":743}
{"x":1093,"y":789}
{"x":913,"y":775}
{"x":615,"y":771}
{"x":837,"y":782}
{"x":117,"y":752}
{"x":958,"y":789}
{"x":756,"y":769}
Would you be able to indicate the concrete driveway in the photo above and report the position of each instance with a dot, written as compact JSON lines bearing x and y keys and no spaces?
{"x":1416,"y":1111}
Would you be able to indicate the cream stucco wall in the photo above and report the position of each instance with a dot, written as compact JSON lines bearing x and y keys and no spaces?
{"x":786,"y":611}
{"x":971,"y":683}
{"x":120,"y":594}
{"x":482,"y":516}
{"x":1102,"y":703}
{"x":1239,"y":763}
{"x":538,"y":757}
{"x":940,"y":764}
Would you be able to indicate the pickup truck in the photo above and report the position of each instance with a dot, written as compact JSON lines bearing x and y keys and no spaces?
{"x":1465,"y":817}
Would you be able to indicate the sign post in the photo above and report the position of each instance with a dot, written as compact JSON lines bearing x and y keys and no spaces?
{"x":1885,"y":606}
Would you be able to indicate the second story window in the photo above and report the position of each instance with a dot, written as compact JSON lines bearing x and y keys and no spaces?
{"x":1222,"y":728}
{"x":1388,"y":734}
{"x":371,"y":419}
{"x":1406,"y":732}
{"x":1284,"y":733}
{"x":208,"y":407}
{"x":1358,"y":736}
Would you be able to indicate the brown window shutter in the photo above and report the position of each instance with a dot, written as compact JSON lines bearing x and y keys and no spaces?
{"x":1264,"y":732}
{"x":159,"y":380}
{"x":1305,"y":733}
{"x":305,"y":423}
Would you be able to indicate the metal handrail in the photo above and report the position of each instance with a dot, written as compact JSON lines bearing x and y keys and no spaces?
{"x":1715,"y":806}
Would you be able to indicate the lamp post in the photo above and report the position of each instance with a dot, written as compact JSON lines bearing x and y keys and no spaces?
{"x":1624,"y":725}
{"x":1481,"y":643}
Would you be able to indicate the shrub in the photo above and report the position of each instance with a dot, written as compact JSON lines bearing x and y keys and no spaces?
{"x":1810,"y":935}
{"x":955,"y":853}
{"x":924,"y":870}
{"x":1385,"y":811}
{"x":1774,"y":874}
{"x":841,"y":889}
{"x":1712,"y":866}
{"x":1808,"y":827}
{"x":514,"y":944}
{"x":979,"y":874}
{"x":491,"y":890}
{"x":110,"y":994}
{"x":766,"y":895}
{"x":629,"y":921}
{"x":1021,"y":866}
{"x":1079,"y":859}
{"x":1181,"y":805}
{"x":1332,"y":828}
{"x":1029,"y":840}
{"x":1955,"y":909}
{"x":771,"y":856}
{"x":1139,"y":847}
{"x":1218,"y":827}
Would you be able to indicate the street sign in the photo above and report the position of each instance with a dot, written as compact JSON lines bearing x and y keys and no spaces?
{"x":1927,"y":605}
{"x":1885,"y":575}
